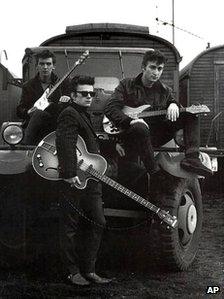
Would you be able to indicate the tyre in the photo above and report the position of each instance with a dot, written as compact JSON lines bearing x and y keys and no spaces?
{"x":177,"y":248}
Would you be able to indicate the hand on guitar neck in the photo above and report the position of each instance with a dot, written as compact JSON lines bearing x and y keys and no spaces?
{"x":143,"y":111}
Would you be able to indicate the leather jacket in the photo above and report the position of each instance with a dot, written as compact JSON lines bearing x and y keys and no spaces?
{"x":132,"y":93}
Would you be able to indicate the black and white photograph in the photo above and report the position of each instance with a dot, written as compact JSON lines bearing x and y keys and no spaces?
{"x":111,"y":149}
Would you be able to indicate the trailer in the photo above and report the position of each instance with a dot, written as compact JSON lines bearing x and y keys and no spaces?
{"x":10,"y":91}
{"x":201,"y":81}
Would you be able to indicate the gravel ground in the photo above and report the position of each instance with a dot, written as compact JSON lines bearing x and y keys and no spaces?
{"x":136,"y":276}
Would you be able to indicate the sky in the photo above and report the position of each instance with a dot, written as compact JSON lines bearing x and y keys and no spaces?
{"x":27,"y":23}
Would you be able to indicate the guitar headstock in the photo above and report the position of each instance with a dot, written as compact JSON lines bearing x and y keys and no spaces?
{"x":83,"y":57}
{"x":167,"y":218}
{"x":197,"y":109}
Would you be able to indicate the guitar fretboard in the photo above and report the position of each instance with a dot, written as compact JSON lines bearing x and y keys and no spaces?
{"x":82,"y":58}
{"x":105,"y":179}
{"x":157,"y":113}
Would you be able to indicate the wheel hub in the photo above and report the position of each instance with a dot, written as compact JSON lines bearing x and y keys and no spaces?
{"x":191,"y":219}
{"x":187,"y":219}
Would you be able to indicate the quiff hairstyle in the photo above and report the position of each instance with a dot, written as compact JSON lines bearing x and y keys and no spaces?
{"x":81,"y":80}
{"x":153,"y":55}
{"x":44,"y":55}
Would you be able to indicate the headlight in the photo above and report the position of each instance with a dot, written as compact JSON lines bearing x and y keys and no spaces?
{"x":12,"y":134}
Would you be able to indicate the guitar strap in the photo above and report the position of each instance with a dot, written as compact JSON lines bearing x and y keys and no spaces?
{"x":109,"y":228}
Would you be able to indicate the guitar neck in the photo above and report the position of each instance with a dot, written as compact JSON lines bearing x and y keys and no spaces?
{"x":157,"y":113}
{"x":78,"y":62}
{"x":105,"y":179}
{"x":61,"y":80}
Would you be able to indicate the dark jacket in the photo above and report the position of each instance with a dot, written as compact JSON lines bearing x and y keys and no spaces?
{"x":32,"y":90}
{"x":72,"y":121}
{"x":131,"y":92}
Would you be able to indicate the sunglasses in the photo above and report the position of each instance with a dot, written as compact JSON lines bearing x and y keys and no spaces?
{"x":85,"y":93}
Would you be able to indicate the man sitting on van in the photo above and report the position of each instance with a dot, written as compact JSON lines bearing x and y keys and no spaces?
{"x":141,"y":135}
{"x":39,"y":123}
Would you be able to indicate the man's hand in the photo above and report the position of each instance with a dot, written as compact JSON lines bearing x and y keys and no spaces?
{"x":139,"y":120}
{"x":120,"y":150}
{"x":172,"y":112}
{"x":73,"y":181}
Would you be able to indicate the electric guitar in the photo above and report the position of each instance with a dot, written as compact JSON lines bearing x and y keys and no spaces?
{"x":42,"y":103}
{"x":89,"y":166}
{"x":142,"y":111}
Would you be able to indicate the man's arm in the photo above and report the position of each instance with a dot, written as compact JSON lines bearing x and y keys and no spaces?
{"x":66,"y":139}
{"x":172,"y":106}
{"x":24,"y":104}
{"x":60,"y":97}
{"x":113,"y":109}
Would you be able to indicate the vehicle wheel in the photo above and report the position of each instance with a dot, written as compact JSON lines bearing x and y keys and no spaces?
{"x":177,"y":248}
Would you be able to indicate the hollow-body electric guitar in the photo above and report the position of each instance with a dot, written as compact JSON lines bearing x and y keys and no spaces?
{"x":142,"y":111}
{"x":89,"y":166}
{"x":43,"y":102}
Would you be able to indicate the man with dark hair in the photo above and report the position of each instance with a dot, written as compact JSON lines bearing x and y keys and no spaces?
{"x":41,"y":122}
{"x":80,"y":250}
{"x":140,"y":135}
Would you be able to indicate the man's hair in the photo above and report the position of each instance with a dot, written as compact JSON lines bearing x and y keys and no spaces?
{"x":44,"y":55}
{"x":81,"y":80}
{"x":153,"y":55}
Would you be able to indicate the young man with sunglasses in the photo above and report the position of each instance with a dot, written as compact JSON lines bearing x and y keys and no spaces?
{"x":39,"y":123}
{"x":81,"y":234}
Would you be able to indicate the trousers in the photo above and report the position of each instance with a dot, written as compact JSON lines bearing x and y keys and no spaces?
{"x":41,"y":123}
{"x":80,"y":237}
{"x":140,"y":140}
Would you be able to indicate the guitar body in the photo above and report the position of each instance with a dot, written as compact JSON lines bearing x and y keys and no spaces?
{"x":42,"y":103}
{"x":110,"y":128}
{"x":134,"y":112}
{"x":45,"y":160}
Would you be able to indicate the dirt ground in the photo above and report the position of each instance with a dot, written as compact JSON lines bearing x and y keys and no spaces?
{"x":136,"y":276}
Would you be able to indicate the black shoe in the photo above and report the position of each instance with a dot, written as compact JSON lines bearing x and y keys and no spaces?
{"x":94,"y":278}
{"x":195,"y":165}
{"x":77,"y":280}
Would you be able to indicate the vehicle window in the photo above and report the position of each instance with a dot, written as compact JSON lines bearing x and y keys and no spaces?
{"x":108,"y":84}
